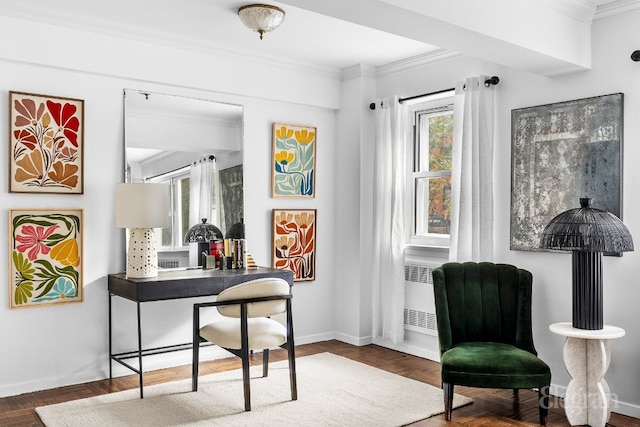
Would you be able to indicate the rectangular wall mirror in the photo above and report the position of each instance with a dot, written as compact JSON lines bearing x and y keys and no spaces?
{"x":195,"y":146}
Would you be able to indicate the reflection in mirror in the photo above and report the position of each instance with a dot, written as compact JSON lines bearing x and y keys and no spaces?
{"x":195,"y":146}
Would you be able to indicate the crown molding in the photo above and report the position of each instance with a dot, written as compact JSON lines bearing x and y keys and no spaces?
{"x":358,"y":71}
{"x":588,"y":11}
{"x":434,"y":56}
{"x":617,"y":7}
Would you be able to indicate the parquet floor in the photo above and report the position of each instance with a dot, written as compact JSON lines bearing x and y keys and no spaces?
{"x":491,"y":408}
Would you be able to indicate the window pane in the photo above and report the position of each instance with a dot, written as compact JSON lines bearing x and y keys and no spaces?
{"x":435,"y":141}
{"x":440,"y":142}
{"x":433,"y":205}
{"x":183,"y":209}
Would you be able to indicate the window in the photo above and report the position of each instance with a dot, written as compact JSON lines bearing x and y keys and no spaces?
{"x":172,"y":237}
{"x":431,"y":171}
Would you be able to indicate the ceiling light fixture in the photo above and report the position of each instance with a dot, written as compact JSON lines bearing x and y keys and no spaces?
{"x":261,"y":18}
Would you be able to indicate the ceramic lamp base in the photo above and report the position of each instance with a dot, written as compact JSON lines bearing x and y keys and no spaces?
{"x":142,"y":256}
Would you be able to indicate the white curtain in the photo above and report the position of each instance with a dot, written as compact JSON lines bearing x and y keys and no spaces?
{"x":472,"y":174}
{"x":388,"y":221}
{"x":201,"y":191}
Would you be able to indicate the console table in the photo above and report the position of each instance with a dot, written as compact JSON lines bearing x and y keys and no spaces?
{"x":587,"y":356}
{"x":172,"y":285}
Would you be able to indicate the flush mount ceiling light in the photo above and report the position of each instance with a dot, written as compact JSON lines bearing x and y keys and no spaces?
{"x":261,"y":17}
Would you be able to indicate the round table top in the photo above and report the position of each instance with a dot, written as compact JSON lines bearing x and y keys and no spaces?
{"x":607,"y":332}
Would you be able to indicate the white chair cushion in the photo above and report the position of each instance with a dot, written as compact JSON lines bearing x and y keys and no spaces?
{"x":252,"y":289}
{"x":264,"y":333}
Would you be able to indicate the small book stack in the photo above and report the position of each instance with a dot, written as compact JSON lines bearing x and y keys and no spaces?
{"x":235,"y":253}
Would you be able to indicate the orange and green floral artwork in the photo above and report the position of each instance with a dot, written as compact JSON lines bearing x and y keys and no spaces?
{"x":45,"y":257}
{"x":294,"y":161}
{"x":294,"y":242}
{"x":46,"y":144}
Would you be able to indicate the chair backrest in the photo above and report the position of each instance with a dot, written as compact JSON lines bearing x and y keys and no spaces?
{"x":252,"y":289}
{"x":483,"y":302}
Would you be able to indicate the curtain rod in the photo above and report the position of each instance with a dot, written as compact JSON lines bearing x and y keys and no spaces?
{"x":493,"y":80}
{"x":211,"y":157}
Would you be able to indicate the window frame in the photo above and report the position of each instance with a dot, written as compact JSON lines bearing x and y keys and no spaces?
{"x":430,"y":104}
{"x":177,"y":239}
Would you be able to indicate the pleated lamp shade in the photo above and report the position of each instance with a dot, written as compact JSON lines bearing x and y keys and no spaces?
{"x":141,"y":207}
{"x":587,"y":232}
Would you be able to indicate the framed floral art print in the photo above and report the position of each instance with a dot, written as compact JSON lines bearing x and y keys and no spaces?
{"x":294,"y":242}
{"x":46,"y":144}
{"x":45,"y":257}
{"x":294,"y":161}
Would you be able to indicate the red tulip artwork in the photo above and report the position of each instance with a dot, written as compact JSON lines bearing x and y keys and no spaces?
{"x":294,"y":242}
{"x":46,"y":144}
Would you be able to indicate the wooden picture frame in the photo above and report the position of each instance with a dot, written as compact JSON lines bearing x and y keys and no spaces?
{"x":294,"y":242}
{"x":559,"y":153}
{"x":45,"y":257}
{"x":46,"y":144}
{"x":293,"y":161}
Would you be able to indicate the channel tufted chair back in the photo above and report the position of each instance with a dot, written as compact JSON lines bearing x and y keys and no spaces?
{"x":483,"y":313}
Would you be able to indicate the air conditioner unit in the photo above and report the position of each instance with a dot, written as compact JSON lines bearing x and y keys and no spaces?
{"x":420,"y":308}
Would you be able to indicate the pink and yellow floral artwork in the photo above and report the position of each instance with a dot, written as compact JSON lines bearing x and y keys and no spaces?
{"x":294,"y":242}
{"x":45,"y":257}
{"x":46,"y":144}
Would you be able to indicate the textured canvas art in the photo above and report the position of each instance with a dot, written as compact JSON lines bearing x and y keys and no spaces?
{"x":46,"y":144}
{"x":45,"y":257}
{"x":561,"y":152}
{"x":294,"y":161}
{"x":294,"y":242}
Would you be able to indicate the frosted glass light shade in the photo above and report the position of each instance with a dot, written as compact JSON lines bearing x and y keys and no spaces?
{"x":141,"y":207}
{"x":261,"y":17}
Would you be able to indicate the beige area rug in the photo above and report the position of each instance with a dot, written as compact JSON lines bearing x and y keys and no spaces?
{"x":332,"y":391}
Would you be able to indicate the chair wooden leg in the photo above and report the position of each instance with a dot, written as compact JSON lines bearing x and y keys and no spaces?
{"x":244,"y":351}
{"x":447,"y":389}
{"x":265,"y":362}
{"x":291,"y":352}
{"x":195,"y":360}
{"x":543,"y":404}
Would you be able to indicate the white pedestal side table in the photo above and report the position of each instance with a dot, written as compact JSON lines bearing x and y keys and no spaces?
{"x":587,"y":355}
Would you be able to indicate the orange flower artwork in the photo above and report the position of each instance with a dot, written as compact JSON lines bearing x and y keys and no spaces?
{"x":46,"y":144}
{"x":294,"y":242}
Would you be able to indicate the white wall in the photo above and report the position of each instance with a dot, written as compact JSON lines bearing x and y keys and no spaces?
{"x":49,"y":346}
{"x":614,"y":39}
{"x":45,"y":347}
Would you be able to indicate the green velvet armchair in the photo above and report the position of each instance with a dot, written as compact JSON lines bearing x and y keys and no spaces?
{"x":483,"y":313}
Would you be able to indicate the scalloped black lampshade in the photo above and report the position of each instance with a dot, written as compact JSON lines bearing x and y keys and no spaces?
{"x":587,"y":229}
{"x":203,"y":232}
{"x":587,"y":232}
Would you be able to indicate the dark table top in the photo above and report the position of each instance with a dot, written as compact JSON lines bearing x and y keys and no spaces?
{"x":190,"y":283}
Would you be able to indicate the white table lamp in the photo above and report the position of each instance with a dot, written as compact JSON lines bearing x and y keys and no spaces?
{"x":141,"y":207}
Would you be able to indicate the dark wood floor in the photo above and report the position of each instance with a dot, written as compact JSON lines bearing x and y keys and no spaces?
{"x":491,"y":408}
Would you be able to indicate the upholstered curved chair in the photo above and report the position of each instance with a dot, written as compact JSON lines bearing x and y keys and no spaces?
{"x":483,"y":313}
{"x":245,"y":325}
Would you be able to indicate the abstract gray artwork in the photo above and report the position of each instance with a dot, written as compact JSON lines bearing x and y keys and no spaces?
{"x":559,"y":153}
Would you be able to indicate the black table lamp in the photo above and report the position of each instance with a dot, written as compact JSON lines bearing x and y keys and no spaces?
{"x":587,"y":233}
{"x":202,"y":234}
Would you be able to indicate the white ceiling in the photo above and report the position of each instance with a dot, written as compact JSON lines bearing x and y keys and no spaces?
{"x":334,"y":34}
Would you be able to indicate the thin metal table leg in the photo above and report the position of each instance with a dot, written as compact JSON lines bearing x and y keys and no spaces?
{"x":110,"y":341}
{"x":140,"y":351}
